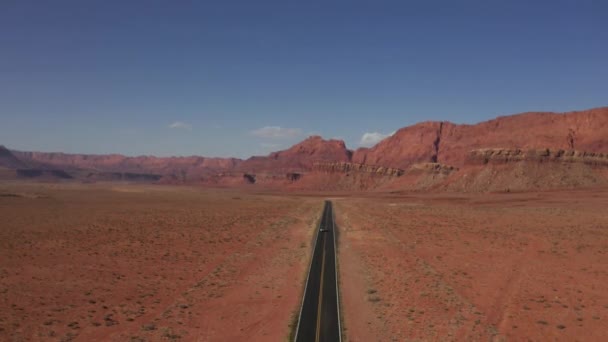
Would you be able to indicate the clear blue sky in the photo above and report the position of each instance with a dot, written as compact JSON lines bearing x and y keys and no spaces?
{"x":213,"y":78}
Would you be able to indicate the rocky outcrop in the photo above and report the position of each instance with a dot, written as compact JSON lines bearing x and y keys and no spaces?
{"x":179,"y":168}
{"x":499,"y":156}
{"x":299,"y":157}
{"x":449,"y":143}
{"x":435,"y":168}
{"x":249,"y":178}
{"x":408,"y":146}
{"x":8,"y":160}
{"x":37,"y":173}
{"x":344,"y":167}
{"x":293,"y":176}
{"x":421,"y":177}
{"x":123,"y":176}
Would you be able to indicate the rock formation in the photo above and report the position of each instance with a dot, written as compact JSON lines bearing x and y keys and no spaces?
{"x":435,"y":168}
{"x":449,"y":143}
{"x":47,"y":174}
{"x":345,"y":167}
{"x":493,"y":155}
{"x":249,"y":178}
{"x":299,"y":157}
{"x":8,"y":159}
{"x":293,"y":176}
{"x":415,"y":157}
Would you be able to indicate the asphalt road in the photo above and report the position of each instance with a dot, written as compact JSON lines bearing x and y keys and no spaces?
{"x":319,"y":316}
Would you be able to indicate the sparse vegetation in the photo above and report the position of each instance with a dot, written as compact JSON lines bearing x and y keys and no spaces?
{"x":149,"y":263}
{"x":374,"y":299}
{"x":463,"y":265}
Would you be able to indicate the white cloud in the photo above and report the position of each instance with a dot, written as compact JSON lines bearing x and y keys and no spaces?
{"x":276,"y":132}
{"x":181,"y":125}
{"x":370,"y":139}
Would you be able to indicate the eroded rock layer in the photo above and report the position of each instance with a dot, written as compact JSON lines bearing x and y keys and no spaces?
{"x":344,"y":167}
{"x":493,"y":155}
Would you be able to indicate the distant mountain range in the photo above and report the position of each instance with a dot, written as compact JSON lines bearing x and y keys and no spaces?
{"x":427,"y":142}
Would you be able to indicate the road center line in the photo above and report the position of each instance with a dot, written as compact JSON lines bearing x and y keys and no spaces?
{"x":321,"y":292}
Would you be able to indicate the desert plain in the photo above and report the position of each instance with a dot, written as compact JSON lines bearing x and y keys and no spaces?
{"x":150,"y":263}
{"x":477,"y":267}
{"x":121,"y":262}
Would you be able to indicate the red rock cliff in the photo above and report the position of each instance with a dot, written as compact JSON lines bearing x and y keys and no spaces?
{"x":299,"y":157}
{"x":449,"y":143}
{"x":345,"y":167}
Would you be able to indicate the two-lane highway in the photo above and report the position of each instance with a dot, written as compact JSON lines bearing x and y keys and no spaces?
{"x":319,"y":315}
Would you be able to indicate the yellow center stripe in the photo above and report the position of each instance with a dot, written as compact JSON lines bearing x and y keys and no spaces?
{"x":321,"y":292}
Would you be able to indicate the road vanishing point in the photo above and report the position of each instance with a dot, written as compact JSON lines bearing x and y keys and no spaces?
{"x":319,"y":315}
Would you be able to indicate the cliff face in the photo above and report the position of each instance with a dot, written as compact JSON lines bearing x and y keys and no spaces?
{"x":8,"y":159}
{"x":449,"y":143}
{"x":424,"y":148}
{"x":119,"y":167}
{"x":299,"y":157}
{"x":345,"y":167}
{"x":409,"y":145}
{"x":431,"y":168}
{"x":120,"y":163}
{"x":501,"y":156}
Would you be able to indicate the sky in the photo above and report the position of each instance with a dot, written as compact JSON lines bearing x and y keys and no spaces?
{"x":240,"y":78}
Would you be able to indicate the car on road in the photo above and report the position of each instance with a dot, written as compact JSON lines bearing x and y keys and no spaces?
{"x":323,"y":230}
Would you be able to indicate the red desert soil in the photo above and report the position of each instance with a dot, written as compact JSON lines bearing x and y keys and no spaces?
{"x":147,"y":263}
{"x":137,"y":263}
{"x":475,"y":267}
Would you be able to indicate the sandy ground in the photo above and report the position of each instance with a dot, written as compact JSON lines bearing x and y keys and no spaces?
{"x":496,"y":267}
{"x":149,"y":263}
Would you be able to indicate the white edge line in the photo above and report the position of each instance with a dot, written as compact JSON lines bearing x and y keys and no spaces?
{"x":295,"y":337}
{"x":333,"y":230}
